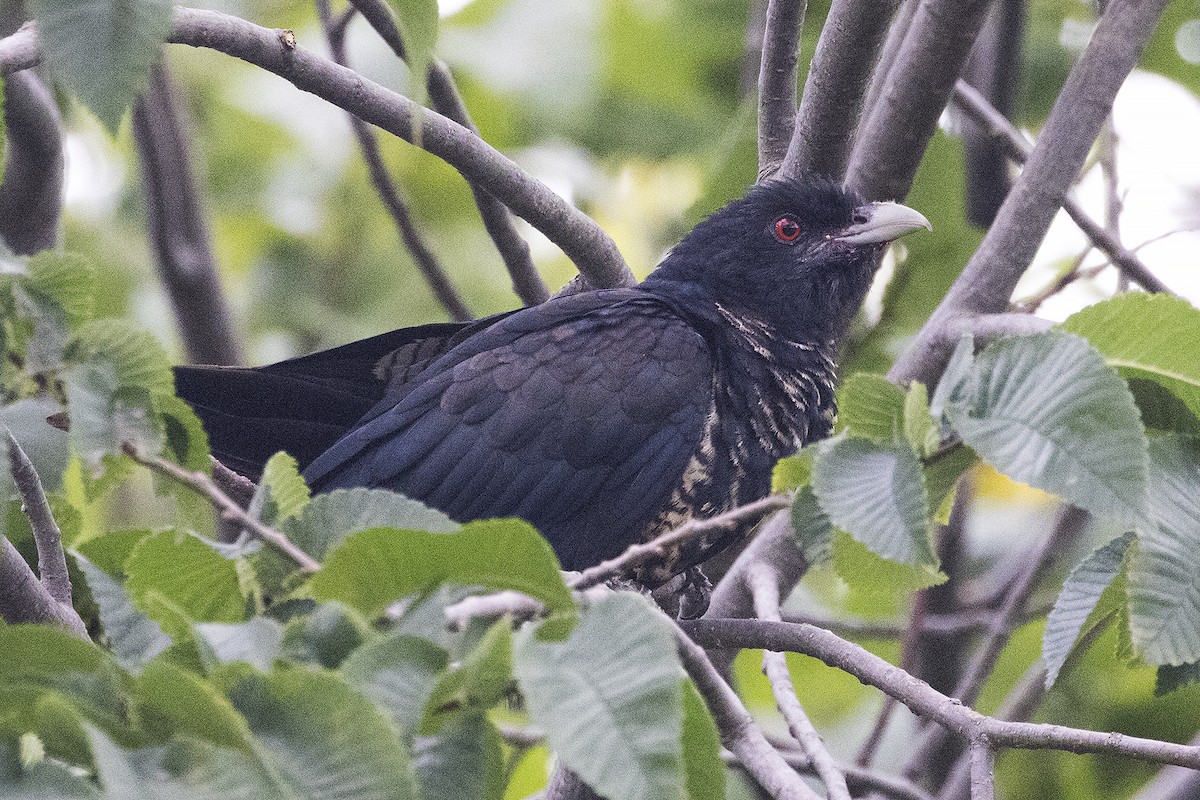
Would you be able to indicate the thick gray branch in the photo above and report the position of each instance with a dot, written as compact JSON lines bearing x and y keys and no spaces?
{"x":179,"y":229}
{"x":837,"y":81}
{"x":31,"y":192}
{"x":987,"y":282}
{"x":896,"y":131}
{"x":777,"y":82}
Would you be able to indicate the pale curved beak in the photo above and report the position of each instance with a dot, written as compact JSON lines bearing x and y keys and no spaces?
{"x":882,"y":222}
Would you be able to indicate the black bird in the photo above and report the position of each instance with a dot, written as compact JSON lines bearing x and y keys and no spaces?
{"x":603,"y":418}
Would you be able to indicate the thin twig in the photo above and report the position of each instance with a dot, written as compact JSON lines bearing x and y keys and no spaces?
{"x":777,"y":82}
{"x":924,"y":700}
{"x":897,"y":130}
{"x":178,"y":227}
{"x":427,"y":263}
{"x":837,"y":81}
{"x":443,"y":94}
{"x":861,"y":781}
{"x":204,"y":486}
{"x":1018,"y":149}
{"x":638,"y":553}
{"x":986,"y":283}
{"x":764,"y":587}
{"x":739,"y":733}
{"x":52,"y":561}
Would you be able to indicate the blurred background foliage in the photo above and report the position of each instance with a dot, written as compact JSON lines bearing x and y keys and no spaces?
{"x":640,"y":112}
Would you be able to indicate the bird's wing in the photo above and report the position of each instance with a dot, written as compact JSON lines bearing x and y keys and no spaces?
{"x":580,"y":418}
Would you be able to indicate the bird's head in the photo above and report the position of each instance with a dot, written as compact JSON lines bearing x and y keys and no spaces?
{"x":798,"y":255}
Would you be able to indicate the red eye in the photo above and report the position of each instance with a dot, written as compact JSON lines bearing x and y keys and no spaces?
{"x":787,"y":230}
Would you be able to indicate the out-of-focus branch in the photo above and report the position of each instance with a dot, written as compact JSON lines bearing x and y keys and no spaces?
{"x":439,"y":283}
{"x":31,"y":192}
{"x":897,"y":129}
{"x":1018,"y":148}
{"x":179,"y":229}
{"x":764,"y":586}
{"x":777,"y":82}
{"x":443,"y":94}
{"x":739,"y":733}
{"x":1173,"y":783}
{"x":901,"y":22}
{"x":987,"y":282}
{"x":593,"y":252}
{"x":837,"y":81}
{"x":921,"y":698}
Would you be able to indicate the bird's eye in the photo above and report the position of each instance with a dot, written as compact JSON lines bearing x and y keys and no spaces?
{"x":787,"y":230}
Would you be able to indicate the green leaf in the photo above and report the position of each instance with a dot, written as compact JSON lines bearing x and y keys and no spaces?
{"x":186,"y":441}
{"x":42,"y":651}
{"x":326,"y":636}
{"x":942,"y":472}
{"x":374,"y":568}
{"x":871,"y":407}
{"x":101,"y":50}
{"x":612,"y":688}
{"x":704,"y":774}
{"x":1047,"y":411}
{"x":137,"y":358}
{"x":417,"y":21}
{"x":398,"y":673}
{"x":132,"y":637}
{"x":183,"y":702}
{"x":1168,"y":679}
{"x":1164,"y":584}
{"x":41,"y":780}
{"x":187,"y":573}
{"x":282,"y":493}
{"x":812,"y":530}
{"x":1147,"y":336}
{"x":920,"y":429}
{"x":792,"y":472}
{"x":463,"y":760}
{"x":481,"y":680}
{"x":876,"y":493}
{"x":257,"y":642}
{"x":322,"y":738}
{"x":875,"y":578}
{"x":66,"y":279}
{"x":109,"y":551}
{"x":1080,"y":596}
{"x":332,"y":516}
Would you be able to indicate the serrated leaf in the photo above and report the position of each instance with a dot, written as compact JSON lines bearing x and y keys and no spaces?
{"x":332,"y":516}
{"x":399,"y":674}
{"x":874,"y":577}
{"x":876,"y":493}
{"x":1148,"y":336}
{"x":1079,"y":597}
{"x":257,"y":642}
{"x":66,"y":279}
{"x":612,"y":688}
{"x":186,"y":441}
{"x":101,"y":50}
{"x":919,"y":427}
{"x":321,"y":738}
{"x":811,"y":529}
{"x":1164,"y":584}
{"x":138,"y":359}
{"x":282,"y":493}
{"x":481,"y":680}
{"x":189,"y":704}
{"x":132,"y":637}
{"x":374,"y":568}
{"x":109,"y":551}
{"x":1047,"y":411}
{"x":942,"y":472}
{"x":871,"y":407}
{"x":704,"y":774}
{"x":463,"y":760}
{"x":792,"y":472}
{"x":188,"y":574}
{"x":326,"y":636}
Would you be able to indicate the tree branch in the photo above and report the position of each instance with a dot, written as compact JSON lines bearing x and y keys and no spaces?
{"x":835,"y":87}
{"x":427,"y":263}
{"x":178,"y":228}
{"x":765,"y":589}
{"x":204,"y":486}
{"x":777,"y":82}
{"x":32,"y":185}
{"x":593,"y":252}
{"x":861,"y":781}
{"x":925,"y":701}
{"x":897,"y":129}
{"x":987,"y":282}
{"x":983,"y":762}
{"x":1018,"y":148}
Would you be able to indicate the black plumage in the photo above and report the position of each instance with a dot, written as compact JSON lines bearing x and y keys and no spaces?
{"x":602,"y":418}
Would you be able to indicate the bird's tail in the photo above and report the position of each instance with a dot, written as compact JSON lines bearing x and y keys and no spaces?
{"x":302,"y":405}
